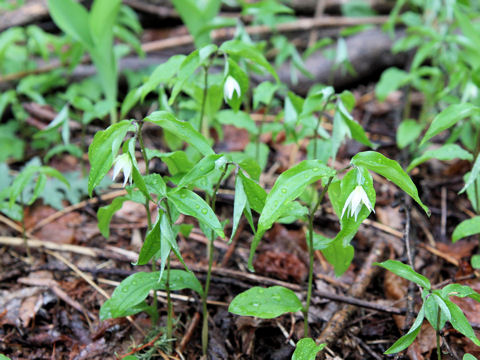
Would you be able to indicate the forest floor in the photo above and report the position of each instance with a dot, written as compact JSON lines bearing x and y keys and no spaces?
{"x":50,"y":300}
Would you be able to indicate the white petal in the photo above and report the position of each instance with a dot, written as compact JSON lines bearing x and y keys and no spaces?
{"x":347,"y":204}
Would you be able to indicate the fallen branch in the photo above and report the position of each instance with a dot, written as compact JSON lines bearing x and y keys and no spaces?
{"x":337,"y":324}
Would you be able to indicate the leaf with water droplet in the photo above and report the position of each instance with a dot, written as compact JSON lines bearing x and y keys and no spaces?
{"x":181,"y":129}
{"x":294,"y":181}
{"x":102,"y":151}
{"x":391,"y":170}
{"x":202,"y":168}
{"x":128,"y":298}
{"x":306,"y":349}
{"x":189,"y":203}
{"x":265,"y":303}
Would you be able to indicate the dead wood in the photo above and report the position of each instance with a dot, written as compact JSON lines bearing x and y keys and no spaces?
{"x":369,"y":53}
{"x":31,"y":11}
{"x":337,"y":324}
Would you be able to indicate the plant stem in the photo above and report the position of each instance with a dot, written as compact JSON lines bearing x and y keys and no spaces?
{"x":169,"y":303}
{"x":113,"y":115}
{"x":204,"y":101}
{"x":318,"y":126}
{"x":260,"y":128}
{"x":311,"y":255}
{"x":149,"y":221}
{"x":167,"y":282}
{"x":439,"y":352}
{"x":210,"y":265}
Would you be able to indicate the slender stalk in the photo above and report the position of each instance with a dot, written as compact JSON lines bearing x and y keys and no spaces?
{"x":260,"y":129}
{"x":439,"y":350}
{"x":311,"y":255}
{"x":169,"y":303}
{"x":210,"y":265}
{"x":84,"y":148}
{"x":113,"y":115}
{"x":149,"y":222}
{"x":167,"y":283}
{"x":318,"y":126}
{"x":24,"y":231}
{"x":204,"y":101}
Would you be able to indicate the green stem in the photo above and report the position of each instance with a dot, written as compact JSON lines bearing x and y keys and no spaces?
{"x":210,"y":265}
{"x":204,"y":100}
{"x":167,"y":282}
{"x":169,"y":303}
{"x":318,"y":126}
{"x":260,"y":129}
{"x":311,"y":255}
{"x":84,"y":149}
{"x":439,"y":350}
{"x":113,"y":115}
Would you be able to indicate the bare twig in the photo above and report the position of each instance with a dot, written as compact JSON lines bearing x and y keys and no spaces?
{"x":336,"y":325}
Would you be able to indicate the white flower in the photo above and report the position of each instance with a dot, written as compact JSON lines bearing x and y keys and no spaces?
{"x":123,"y":163}
{"x":354,"y":202}
{"x":231,"y":86}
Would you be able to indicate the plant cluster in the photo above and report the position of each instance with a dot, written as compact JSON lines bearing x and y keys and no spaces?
{"x":213,"y":86}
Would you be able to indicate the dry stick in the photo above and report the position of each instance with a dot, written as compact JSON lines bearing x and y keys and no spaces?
{"x":233,"y":245}
{"x":336,"y":325}
{"x":56,"y":288}
{"x":91,"y":283}
{"x":319,"y":9}
{"x":219,"y":34}
{"x":189,"y":333}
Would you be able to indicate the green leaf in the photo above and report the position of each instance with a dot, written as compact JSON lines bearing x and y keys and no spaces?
{"x":151,"y":246}
{"x":460,"y":291}
{"x":475,"y":261}
{"x":460,"y":322}
{"x":103,"y":16}
{"x":289,"y":185}
{"x":307,"y":349}
{"x":168,"y":240}
{"x":27,"y":175}
{"x":433,"y":304}
{"x":339,"y":256}
{"x":449,"y":117}
{"x":444,"y":153}
{"x":263,"y":94}
{"x":265,"y":303}
{"x":256,"y":195}
{"x":182,"y":129}
{"x":186,"y":70}
{"x":405,"y":272}
{"x":473,"y":174}
{"x":135,"y":288}
{"x":239,"y":119}
{"x":391,"y":80}
{"x":102,"y":151}
{"x":3,"y":357}
{"x":201,"y":169}
{"x":408,"y":131}
{"x":76,"y":26}
{"x":466,"y":228}
{"x":246,"y":51}
{"x":408,"y":338}
{"x":239,"y":204}
{"x":391,"y":170}
{"x":355,"y":128}
{"x":469,"y":357}
{"x":189,"y":203}
{"x":155,"y":185}
{"x":105,"y":214}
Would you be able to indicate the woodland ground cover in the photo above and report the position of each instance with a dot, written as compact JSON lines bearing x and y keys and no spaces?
{"x":260,"y":180}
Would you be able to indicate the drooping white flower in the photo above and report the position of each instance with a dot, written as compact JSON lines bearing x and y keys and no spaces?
{"x":355,"y":201}
{"x":231,"y":86}
{"x":123,"y":163}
